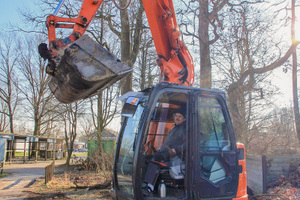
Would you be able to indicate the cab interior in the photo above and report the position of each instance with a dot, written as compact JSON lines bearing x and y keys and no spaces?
{"x":158,"y":129}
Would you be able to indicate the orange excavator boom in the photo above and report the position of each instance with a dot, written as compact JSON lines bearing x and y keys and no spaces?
{"x":63,"y":55}
{"x":174,"y":59}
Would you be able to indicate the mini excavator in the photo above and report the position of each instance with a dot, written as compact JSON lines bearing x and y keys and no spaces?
{"x":212,"y":165}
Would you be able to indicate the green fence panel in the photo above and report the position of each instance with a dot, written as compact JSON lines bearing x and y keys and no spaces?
{"x":108,"y":146}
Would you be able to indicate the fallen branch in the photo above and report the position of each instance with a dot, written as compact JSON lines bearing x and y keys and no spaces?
{"x":39,"y":196}
{"x":105,"y":185}
{"x":269,"y":196}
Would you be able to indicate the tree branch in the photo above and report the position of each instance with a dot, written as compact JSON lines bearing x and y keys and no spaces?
{"x":262,"y":70}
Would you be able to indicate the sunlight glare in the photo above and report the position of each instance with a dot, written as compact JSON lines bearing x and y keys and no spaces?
{"x":297,"y":30}
{"x":297,"y":25}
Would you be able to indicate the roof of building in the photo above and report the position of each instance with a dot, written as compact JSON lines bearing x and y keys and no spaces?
{"x":11,"y":136}
{"x":107,"y":134}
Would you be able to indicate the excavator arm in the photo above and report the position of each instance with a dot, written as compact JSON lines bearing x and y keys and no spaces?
{"x":79,"y":25}
{"x":69,"y":59}
{"x":174,"y":59}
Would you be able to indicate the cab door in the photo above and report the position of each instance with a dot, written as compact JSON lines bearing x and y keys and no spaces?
{"x":125,"y":149}
{"x":216,"y":164}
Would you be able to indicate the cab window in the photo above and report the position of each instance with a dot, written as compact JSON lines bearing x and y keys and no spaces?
{"x":213,"y":129}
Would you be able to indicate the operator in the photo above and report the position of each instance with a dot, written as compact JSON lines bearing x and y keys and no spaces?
{"x":173,"y":145}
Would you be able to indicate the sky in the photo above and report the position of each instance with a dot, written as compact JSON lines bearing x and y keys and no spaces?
{"x":9,"y":13}
{"x":9,"y":10}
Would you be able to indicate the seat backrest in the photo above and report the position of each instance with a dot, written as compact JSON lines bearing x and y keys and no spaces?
{"x":157,"y":134}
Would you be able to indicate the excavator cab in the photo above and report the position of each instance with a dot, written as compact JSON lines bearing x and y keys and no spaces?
{"x":211,"y":165}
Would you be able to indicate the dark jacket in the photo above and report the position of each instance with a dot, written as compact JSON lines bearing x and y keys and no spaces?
{"x":175,"y":140}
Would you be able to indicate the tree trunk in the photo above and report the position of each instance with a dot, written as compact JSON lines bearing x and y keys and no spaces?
{"x":205,"y":64}
{"x":236,"y":106}
{"x":9,"y":100}
{"x":144,"y":67}
{"x":294,"y":71}
{"x":37,"y":126}
{"x":126,"y":83}
{"x":99,"y":99}
{"x":68,"y":159}
{"x":11,"y":117}
{"x":36,"y":132}
{"x":100,"y":123}
{"x":295,"y":96}
{"x":70,"y":147}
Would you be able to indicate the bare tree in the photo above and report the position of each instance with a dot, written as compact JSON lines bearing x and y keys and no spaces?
{"x":88,"y":129}
{"x":9,"y":96}
{"x":146,"y":73}
{"x":276,"y":136}
{"x":40,"y":104}
{"x":105,"y":111}
{"x":71,"y":114}
{"x":246,"y":59}
{"x":204,"y":22}
{"x":129,"y":33}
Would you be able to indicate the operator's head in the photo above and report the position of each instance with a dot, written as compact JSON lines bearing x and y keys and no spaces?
{"x":179,"y":115}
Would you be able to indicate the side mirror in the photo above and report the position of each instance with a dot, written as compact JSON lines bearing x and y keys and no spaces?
{"x":130,"y":106}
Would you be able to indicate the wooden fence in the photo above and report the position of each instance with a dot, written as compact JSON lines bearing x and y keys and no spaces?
{"x":49,"y":171}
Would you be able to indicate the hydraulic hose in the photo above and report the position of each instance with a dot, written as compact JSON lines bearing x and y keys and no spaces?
{"x":58,"y":7}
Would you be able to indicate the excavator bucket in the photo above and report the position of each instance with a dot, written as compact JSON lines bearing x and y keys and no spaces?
{"x":85,"y":69}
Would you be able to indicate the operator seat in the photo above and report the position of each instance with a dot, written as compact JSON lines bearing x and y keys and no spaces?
{"x":172,"y":172}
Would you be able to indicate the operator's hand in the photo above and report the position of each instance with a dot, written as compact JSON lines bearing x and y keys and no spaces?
{"x":172,"y":153}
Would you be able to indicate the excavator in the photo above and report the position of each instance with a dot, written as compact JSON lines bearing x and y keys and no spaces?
{"x":212,"y":164}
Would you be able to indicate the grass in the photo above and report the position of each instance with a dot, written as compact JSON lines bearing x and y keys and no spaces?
{"x":4,"y":174}
{"x":79,"y":154}
{"x":21,"y":154}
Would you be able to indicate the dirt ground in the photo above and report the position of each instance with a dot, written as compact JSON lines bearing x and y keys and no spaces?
{"x":26,"y":181}
{"x":71,"y":183}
